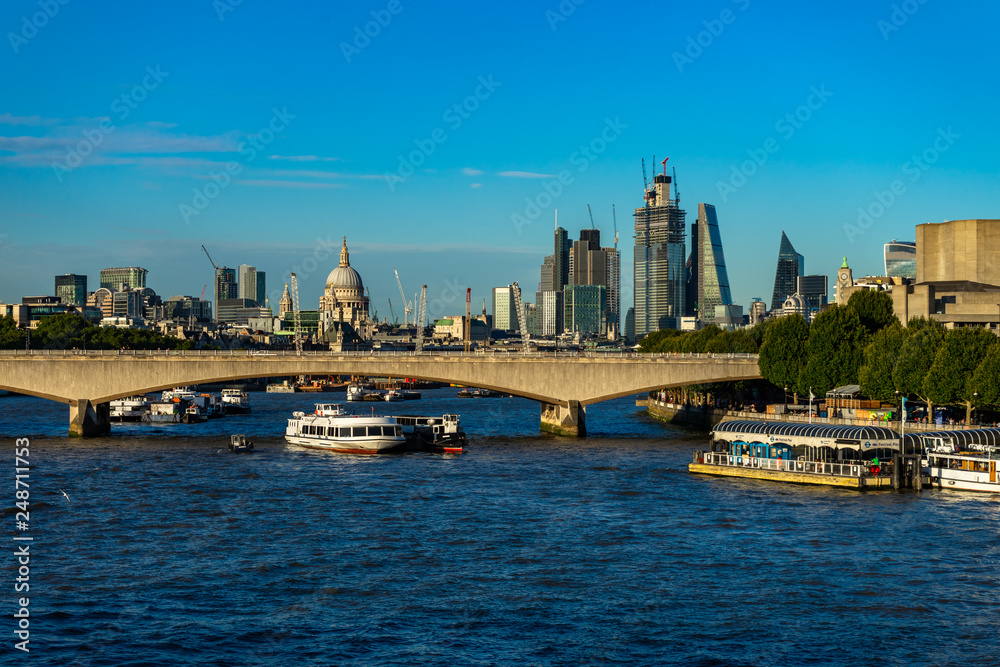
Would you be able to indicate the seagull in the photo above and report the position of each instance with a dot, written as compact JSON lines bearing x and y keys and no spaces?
{"x":64,"y":493}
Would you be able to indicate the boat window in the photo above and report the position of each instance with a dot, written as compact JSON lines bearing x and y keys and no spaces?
{"x":398,"y":431}
{"x":358,"y":432}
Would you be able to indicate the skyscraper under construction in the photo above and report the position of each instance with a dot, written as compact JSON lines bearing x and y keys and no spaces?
{"x":660,"y":276}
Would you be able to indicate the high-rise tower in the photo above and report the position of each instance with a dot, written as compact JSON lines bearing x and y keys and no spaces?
{"x":710,"y":273}
{"x":659,"y":260}
{"x":791,"y":265}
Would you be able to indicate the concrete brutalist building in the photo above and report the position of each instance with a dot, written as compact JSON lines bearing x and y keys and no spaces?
{"x":958,"y":275}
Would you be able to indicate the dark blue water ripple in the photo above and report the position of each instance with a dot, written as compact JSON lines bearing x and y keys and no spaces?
{"x":525,"y":550}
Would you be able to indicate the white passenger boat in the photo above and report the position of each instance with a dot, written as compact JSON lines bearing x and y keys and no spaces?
{"x":330,"y":427}
{"x":961,"y":460}
{"x":235,"y":402}
{"x":183,"y":393}
{"x":393,"y":395}
{"x":129,"y":409}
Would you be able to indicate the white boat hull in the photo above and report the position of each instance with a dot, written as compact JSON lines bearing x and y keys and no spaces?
{"x":350,"y":446}
{"x":962,"y":480}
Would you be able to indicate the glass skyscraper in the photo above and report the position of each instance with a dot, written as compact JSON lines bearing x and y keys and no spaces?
{"x":132,"y":277}
{"x":659,"y":271}
{"x":72,"y":288}
{"x":901,"y":259}
{"x":252,"y":284}
{"x":791,"y":265}
{"x":709,"y":265}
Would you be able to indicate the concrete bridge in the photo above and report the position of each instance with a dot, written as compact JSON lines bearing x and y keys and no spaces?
{"x":564,"y":384}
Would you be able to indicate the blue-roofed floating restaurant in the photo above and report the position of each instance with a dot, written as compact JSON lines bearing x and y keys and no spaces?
{"x":859,"y":457}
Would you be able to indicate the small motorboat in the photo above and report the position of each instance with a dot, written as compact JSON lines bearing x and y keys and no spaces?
{"x":239,"y":443}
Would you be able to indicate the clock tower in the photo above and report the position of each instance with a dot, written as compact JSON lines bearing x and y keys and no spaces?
{"x":845,"y":280}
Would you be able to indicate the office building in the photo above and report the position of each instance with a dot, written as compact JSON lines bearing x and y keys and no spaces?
{"x":186,"y":308}
{"x":251,"y":284}
{"x":129,"y":277}
{"x":791,"y":265}
{"x":504,"y":309}
{"x":708,"y":267}
{"x":584,"y":309}
{"x":659,"y":267}
{"x":728,"y":316}
{"x":814,"y":290}
{"x":630,"y":326}
{"x":225,"y":288}
{"x":588,"y":260}
{"x":901,"y":259}
{"x":758,"y":311}
{"x":555,"y":267}
{"x":127,"y":303}
{"x":72,"y":289}
{"x":549,"y":305}
{"x":614,"y":292}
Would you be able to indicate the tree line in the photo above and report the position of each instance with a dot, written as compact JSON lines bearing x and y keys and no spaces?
{"x":861,"y":343}
{"x":67,"y":331}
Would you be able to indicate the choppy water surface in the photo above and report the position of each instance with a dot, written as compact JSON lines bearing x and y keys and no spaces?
{"x":526,"y":549}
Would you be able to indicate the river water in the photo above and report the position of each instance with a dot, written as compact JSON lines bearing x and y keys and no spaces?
{"x":525,"y":550}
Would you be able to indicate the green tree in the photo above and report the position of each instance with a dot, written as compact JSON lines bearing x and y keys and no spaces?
{"x":874,"y":309}
{"x":876,"y":373}
{"x":11,"y":338}
{"x":916,"y":358}
{"x":986,"y":379}
{"x":61,"y":331}
{"x":949,"y":380}
{"x":783,"y":351}
{"x":834,"y":352}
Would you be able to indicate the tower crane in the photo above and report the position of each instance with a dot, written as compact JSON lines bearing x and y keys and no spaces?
{"x":215,"y":280}
{"x":407,"y":307}
{"x":392,"y":312}
{"x":421,"y":316}
{"x":468,"y":318}
{"x":591,"y":216}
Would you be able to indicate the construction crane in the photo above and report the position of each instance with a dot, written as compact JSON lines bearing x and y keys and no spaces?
{"x":614,"y":218}
{"x":591,"y":216}
{"x":677,"y":192}
{"x":407,"y":307}
{"x":421,"y":316}
{"x":215,"y":279}
{"x":468,"y":318}
{"x":394,"y":320}
{"x":520,"y":317}
{"x":297,"y":317}
{"x":203,"y":287}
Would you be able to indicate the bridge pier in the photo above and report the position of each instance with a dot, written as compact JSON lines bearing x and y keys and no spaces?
{"x":561,"y":419}
{"x":87,"y":420}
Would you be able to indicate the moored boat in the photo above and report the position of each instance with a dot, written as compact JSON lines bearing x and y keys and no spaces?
{"x":129,"y":409}
{"x":393,"y":395}
{"x":357,"y":392}
{"x":235,"y":402}
{"x":164,"y":412}
{"x":963,"y":460}
{"x":437,"y":434}
{"x":239,"y":443}
{"x":331,"y":428}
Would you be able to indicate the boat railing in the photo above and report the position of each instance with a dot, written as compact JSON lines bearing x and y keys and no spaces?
{"x":839,"y":468}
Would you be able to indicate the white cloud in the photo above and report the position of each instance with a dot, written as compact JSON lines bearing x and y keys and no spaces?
{"x":303,"y":158}
{"x":468,"y":171}
{"x":524,"y":174}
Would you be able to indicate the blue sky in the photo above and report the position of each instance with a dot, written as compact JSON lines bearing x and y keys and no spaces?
{"x":267,"y":131}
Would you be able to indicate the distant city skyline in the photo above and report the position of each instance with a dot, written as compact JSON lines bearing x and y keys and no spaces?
{"x":765,"y":116}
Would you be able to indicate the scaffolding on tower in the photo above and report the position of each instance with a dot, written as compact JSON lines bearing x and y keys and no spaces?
{"x":520,"y":316}
{"x":421,"y":318}
{"x":297,"y":317}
